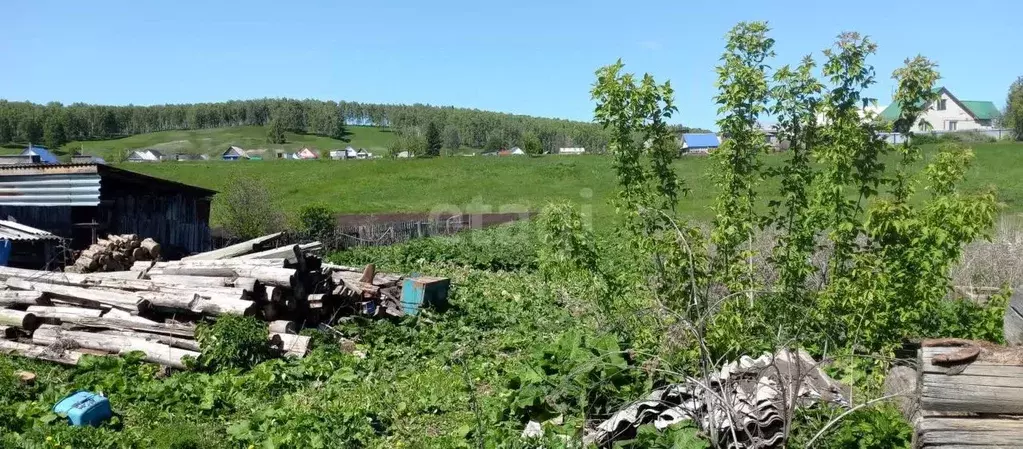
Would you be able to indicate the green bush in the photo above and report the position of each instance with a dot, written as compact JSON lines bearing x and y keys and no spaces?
{"x":233,"y":342}
{"x":316,"y":220}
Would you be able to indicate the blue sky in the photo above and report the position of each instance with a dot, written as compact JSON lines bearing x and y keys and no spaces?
{"x":528,"y":57}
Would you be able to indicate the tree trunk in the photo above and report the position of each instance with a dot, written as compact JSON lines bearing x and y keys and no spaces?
{"x":155,"y":352}
{"x":283,"y":251}
{"x":17,"y":318}
{"x":283,"y":327}
{"x":66,"y":357}
{"x":173,"y":342}
{"x":151,"y":247}
{"x":85,"y":296}
{"x":64,"y":313}
{"x":236,"y":250}
{"x":192,"y":281}
{"x":115,"y":323}
{"x":9,"y":297}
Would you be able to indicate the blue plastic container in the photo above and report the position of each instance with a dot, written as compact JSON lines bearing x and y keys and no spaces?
{"x":84,"y":409}
{"x":422,"y":290}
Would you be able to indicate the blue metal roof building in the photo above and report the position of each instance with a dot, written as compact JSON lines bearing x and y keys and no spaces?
{"x":700,"y":142}
{"x":45,"y":156}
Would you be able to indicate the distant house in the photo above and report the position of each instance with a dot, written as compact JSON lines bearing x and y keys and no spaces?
{"x":363,"y":154}
{"x":350,"y":153}
{"x":234,"y":153}
{"x":45,"y":156}
{"x":949,"y":113}
{"x":699,"y":143}
{"x":516,"y":151}
{"x":306,"y":153}
{"x":404,"y":155}
{"x":145,"y":156}
{"x":337,"y":154}
{"x":578,"y":150}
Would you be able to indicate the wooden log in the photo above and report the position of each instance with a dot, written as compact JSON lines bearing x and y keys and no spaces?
{"x":251,"y":287}
{"x":283,"y":327}
{"x":126,"y":275}
{"x":379,"y":279}
{"x":154,"y":352}
{"x":368,"y":274}
{"x":266,"y":275}
{"x":282,"y":252}
{"x":66,"y":357}
{"x":291,"y":345}
{"x":9,"y":297}
{"x":192,"y":281}
{"x":992,"y":383}
{"x":151,"y":247}
{"x":139,"y":254}
{"x":122,"y":315}
{"x":205,"y":304}
{"x":273,"y":263}
{"x":236,"y":250}
{"x":315,"y":300}
{"x":174,"y":342}
{"x":64,"y":313}
{"x":84,"y":296}
{"x":17,"y":318}
{"x":105,"y":322}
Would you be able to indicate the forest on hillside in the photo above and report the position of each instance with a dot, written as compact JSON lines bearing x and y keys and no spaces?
{"x":55,"y":124}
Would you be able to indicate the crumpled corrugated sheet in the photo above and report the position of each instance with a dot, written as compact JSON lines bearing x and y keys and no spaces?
{"x":754,"y":389}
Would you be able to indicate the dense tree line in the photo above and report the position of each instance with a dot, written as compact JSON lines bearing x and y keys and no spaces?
{"x":54,"y":124}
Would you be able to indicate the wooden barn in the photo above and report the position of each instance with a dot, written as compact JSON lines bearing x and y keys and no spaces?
{"x":81,"y":202}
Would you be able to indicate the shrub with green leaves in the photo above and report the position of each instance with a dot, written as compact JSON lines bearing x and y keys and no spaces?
{"x":233,"y":342}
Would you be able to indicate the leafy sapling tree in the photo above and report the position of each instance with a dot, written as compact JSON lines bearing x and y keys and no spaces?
{"x":742,"y":98}
{"x":1013,"y":116}
{"x":531,"y":144}
{"x":275,"y":131}
{"x":433,"y":140}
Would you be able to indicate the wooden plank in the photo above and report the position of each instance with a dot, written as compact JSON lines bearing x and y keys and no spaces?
{"x":235,"y":250}
{"x":120,"y":300}
{"x":17,"y":318}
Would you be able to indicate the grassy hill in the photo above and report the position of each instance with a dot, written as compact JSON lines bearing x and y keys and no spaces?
{"x":215,"y":141}
{"x":477,"y":183}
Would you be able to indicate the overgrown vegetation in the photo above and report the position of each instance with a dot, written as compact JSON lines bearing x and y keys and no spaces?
{"x":843,"y":246}
{"x":249,"y":209}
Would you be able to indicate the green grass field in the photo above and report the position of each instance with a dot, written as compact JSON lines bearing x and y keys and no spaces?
{"x":215,"y":141}
{"x":473,"y":184}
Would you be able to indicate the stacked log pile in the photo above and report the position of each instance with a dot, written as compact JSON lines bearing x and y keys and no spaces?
{"x":115,"y":253}
{"x":153,"y":307}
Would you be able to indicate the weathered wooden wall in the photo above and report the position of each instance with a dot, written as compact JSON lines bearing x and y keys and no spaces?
{"x":974,"y":400}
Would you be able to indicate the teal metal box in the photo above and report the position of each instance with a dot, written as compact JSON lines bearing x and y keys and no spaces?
{"x":84,"y":409}
{"x":424,"y":290}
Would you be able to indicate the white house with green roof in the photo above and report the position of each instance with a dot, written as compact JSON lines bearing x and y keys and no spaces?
{"x":949,"y":113}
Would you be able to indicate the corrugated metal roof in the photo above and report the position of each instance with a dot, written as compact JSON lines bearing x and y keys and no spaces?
{"x":10,"y":230}
{"x":52,"y":189}
{"x":701,"y":140}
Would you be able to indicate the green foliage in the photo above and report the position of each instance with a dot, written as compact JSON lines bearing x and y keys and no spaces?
{"x":878,"y":427}
{"x":742,"y":98}
{"x":275,"y":132}
{"x":575,"y":373}
{"x":1012,"y":118}
{"x":249,"y":209}
{"x":433,"y":140}
{"x":317,"y":220}
{"x":494,"y":143}
{"x":233,"y":342}
{"x":505,"y":248}
{"x":531,"y":144}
